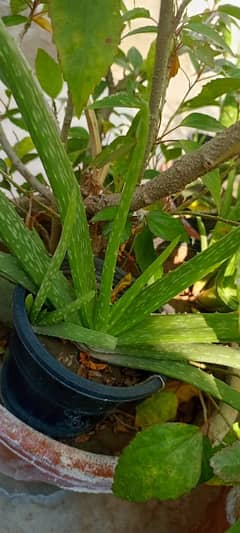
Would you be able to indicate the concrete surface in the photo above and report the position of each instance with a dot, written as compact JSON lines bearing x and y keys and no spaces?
{"x":22,"y":510}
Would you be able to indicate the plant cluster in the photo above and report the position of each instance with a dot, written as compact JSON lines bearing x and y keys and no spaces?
{"x":119,"y":175}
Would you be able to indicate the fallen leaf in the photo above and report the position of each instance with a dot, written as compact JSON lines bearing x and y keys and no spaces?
{"x":88,"y":363}
{"x":123,"y":284}
{"x":183,"y":391}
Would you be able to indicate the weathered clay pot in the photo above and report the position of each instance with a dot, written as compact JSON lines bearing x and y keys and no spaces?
{"x":28,"y":455}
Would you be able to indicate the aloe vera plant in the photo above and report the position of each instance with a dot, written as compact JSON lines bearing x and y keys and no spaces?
{"x":130,"y":331}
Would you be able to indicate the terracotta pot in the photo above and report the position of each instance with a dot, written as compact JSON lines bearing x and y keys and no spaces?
{"x":27,"y":455}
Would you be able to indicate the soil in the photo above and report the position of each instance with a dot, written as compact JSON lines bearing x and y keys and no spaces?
{"x":114,"y":432}
{"x":80,"y":363}
{"x":117,"y":429}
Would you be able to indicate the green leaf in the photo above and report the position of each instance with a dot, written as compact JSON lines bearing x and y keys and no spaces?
{"x":188,"y":328}
{"x":17,"y":6}
{"x":125,"y":315}
{"x":162,"y":462}
{"x":62,"y":314}
{"x":231,"y":10}
{"x":74,"y":332}
{"x":203,"y":122}
{"x":107,"y":213}
{"x":152,"y":273}
{"x":176,"y":370}
{"x":117,"y":149}
{"x":3,"y":167}
{"x":171,"y":154}
{"x":11,"y":270}
{"x":228,"y":195}
{"x":199,"y":50}
{"x":29,"y":250}
{"x":107,"y":229}
{"x":148,"y":63}
{"x":211,"y":91}
{"x":226,"y":463}
{"x":143,"y":29}
{"x":206,"y":471}
{"x":165,"y":226}
{"x":236,"y":527}
{"x":159,"y":408}
{"x":134,"y":57}
{"x":23,"y":147}
{"x":189,"y":146}
{"x":131,"y":178}
{"x":19,"y":122}
{"x":144,"y":249}
{"x":208,"y":32}
{"x":87,"y":42}
{"x":49,"y":73}
{"x":14,"y":20}
{"x":226,"y":284}
{"x":120,"y":99}
{"x":150,"y":173}
{"x":229,"y":111}
{"x":57,"y":259}
{"x":136,"y":13}
{"x":212,"y":180}
{"x":200,"y":353}
{"x":77,"y":132}
{"x":57,"y":165}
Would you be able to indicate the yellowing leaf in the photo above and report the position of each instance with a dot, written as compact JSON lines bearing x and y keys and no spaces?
{"x":42,"y":22}
{"x":163,"y":462}
{"x":184,"y":391}
{"x":159,"y":408}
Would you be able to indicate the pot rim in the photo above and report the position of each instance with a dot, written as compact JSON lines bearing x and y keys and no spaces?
{"x":55,"y":462}
{"x":60,"y":373}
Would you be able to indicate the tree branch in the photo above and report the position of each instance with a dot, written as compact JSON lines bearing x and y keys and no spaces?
{"x":188,"y":168}
{"x":166,"y":26}
{"x":181,"y":10}
{"x":17,"y":163}
{"x":67,"y":118}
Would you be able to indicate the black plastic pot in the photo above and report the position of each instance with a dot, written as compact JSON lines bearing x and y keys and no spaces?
{"x":36,"y":388}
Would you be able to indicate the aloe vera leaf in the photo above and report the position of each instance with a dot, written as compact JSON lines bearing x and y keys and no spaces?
{"x":237,"y":283}
{"x":24,"y":245}
{"x":53,"y":317}
{"x":135,"y":166}
{"x":11,"y":270}
{"x":151,"y":271}
{"x":228,"y":195}
{"x":178,"y":370}
{"x":57,"y":259}
{"x":45,"y":135}
{"x":197,"y":352}
{"x":187,"y":328}
{"x":125,"y":316}
{"x":74,"y":332}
